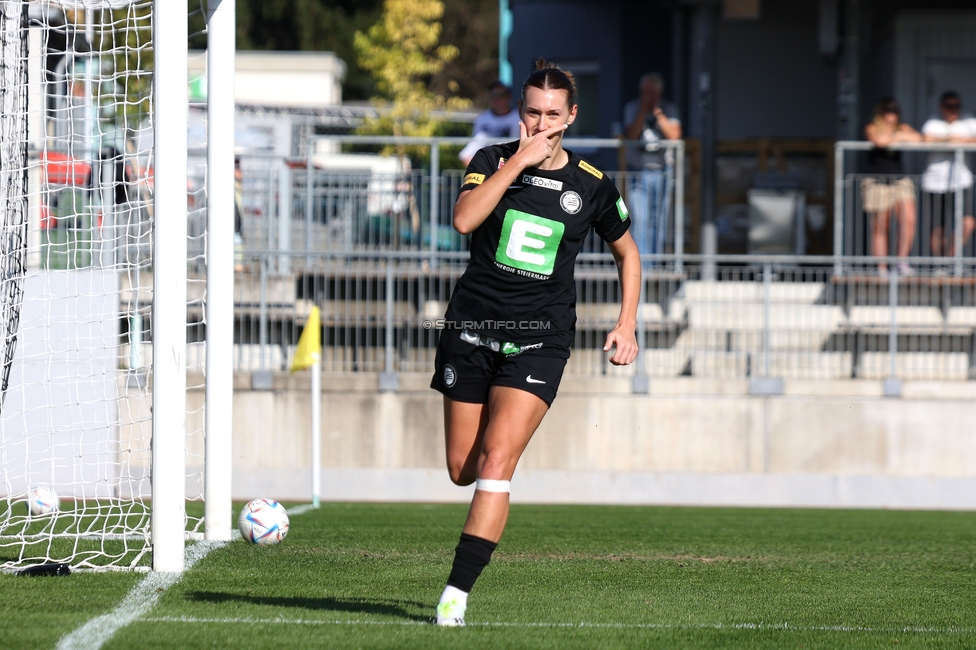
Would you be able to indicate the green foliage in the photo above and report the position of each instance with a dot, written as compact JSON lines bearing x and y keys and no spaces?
{"x":310,"y":25}
{"x":472,"y":26}
{"x":402,"y":52}
{"x":330,"y":25}
{"x":129,"y":43}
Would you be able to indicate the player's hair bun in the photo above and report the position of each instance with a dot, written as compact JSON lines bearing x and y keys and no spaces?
{"x":548,"y":75}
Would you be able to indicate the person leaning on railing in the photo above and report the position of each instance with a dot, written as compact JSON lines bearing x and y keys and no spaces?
{"x":889,"y":189}
{"x":943,"y":177}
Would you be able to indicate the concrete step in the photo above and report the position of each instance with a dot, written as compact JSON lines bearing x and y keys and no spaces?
{"x":916,"y":365}
{"x":750,"y":316}
{"x":961,"y":316}
{"x":879,"y":316}
{"x":609,"y":312}
{"x":739,"y":292}
{"x":657,"y":363}
{"x":245,"y":357}
{"x":341,"y":311}
{"x":788,"y":365}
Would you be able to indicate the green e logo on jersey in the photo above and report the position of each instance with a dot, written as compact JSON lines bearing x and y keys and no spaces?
{"x":529,"y":242}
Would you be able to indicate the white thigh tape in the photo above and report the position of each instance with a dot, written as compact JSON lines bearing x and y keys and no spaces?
{"x":491,"y":485}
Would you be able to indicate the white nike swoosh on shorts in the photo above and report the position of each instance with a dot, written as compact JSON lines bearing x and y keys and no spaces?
{"x":534,"y":381}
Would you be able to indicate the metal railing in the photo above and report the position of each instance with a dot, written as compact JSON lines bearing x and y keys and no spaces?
{"x":758,"y":319}
{"x":376,"y":252}
{"x":347,"y":205}
{"x":318,"y":237}
{"x":939,"y":217}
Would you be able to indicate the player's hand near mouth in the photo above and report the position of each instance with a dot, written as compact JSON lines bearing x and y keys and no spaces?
{"x":474,"y":206}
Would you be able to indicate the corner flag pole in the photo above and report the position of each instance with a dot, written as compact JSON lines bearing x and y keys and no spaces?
{"x":316,"y":430}
{"x":308,"y":354}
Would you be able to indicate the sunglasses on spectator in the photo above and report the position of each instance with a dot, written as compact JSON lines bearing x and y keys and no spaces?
{"x":952,"y":106}
{"x":497,"y":94}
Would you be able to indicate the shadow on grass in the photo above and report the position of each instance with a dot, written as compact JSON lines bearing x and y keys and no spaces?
{"x":397,"y":608}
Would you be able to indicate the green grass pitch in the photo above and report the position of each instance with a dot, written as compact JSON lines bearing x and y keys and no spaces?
{"x":369,"y":575}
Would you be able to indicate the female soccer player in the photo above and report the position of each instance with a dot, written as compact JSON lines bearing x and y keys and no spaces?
{"x":528,"y":206}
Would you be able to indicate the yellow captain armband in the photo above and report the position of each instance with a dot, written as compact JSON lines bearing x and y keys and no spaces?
{"x":590,"y":168}
{"x":473,"y":179}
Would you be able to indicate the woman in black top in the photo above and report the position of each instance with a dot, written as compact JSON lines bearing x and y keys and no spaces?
{"x":889,"y":189}
{"x":528,"y":206}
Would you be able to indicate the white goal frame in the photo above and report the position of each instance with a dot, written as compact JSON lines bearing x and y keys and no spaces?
{"x":162,"y":526}
{"x":170,"y":108}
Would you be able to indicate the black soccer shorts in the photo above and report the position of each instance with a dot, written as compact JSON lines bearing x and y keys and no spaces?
{"x":468,"y":364}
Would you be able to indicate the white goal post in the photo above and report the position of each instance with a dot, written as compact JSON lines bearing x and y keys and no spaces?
{"x":102,"y":445}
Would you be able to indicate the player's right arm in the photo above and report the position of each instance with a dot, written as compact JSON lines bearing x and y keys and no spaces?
{"x":473,"y":206}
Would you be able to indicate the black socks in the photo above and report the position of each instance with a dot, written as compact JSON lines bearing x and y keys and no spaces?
{"x":471,"y":556}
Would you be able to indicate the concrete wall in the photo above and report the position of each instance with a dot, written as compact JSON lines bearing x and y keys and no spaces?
{"x":690,"y":441}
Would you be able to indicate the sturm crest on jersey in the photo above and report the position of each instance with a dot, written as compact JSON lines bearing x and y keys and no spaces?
{"x":450,"y":376}
{"x":571,"y":202}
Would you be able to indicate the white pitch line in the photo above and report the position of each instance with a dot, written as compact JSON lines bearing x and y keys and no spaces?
{"x":143,"y":597}
{"x":137,"y":602}
{"x":301,"y":510}
{"x":639,"y":626}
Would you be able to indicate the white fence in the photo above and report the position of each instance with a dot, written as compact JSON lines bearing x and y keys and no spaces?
{"x":939,"y":227}
{"x":761,"y":318}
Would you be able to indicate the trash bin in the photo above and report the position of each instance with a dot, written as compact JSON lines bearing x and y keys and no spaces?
{"x":777,"y":206}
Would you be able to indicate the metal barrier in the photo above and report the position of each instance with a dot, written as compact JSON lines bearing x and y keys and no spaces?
{"x":345,"y":204}
{"x":377,"y":253}
{"x":939,"y":222}
{"x":762,"y":319}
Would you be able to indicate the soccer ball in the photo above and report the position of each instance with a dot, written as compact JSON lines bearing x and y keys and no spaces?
{"x":263,"y":521}
{"x":43,"y":500}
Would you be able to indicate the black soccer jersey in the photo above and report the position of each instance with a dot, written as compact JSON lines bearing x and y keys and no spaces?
{"x":518,"y":285}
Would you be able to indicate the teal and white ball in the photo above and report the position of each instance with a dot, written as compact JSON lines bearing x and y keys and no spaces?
{"x":263,"y":521}
{"x":43,"y":500}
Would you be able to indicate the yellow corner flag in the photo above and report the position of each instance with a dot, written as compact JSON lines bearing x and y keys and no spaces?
{"x":309,"y":348}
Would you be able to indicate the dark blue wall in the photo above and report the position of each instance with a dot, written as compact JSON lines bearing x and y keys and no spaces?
{"x":772,"y":81}
{"x":625,"y":38}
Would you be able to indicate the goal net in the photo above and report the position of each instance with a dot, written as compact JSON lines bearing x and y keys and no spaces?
{"x":77,"y":288}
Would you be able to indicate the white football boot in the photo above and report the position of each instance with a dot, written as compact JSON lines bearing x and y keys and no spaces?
{"x":450,"y":611}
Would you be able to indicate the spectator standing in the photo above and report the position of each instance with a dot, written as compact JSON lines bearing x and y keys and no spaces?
{"x":888,"y":190}
{"x":650,"y":119}
{"x":943,"y":176}
{"x":501,"y":120}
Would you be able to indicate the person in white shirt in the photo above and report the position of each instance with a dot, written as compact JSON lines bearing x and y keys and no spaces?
{"x":501,"y":120}
{"x":944,"y":177}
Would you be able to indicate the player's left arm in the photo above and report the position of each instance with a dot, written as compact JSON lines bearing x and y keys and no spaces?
{"x":623,"y":335}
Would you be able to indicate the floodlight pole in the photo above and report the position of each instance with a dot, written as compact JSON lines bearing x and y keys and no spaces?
{"x":221,"y":48}
{"x":170,"y":109}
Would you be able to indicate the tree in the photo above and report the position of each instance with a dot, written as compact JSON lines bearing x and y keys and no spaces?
{"x":129,"y":40}
{"x":330,"y":25}
{"x":472,"y":26}
{"x":402,"y":52}
{"x":316,"y":25}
